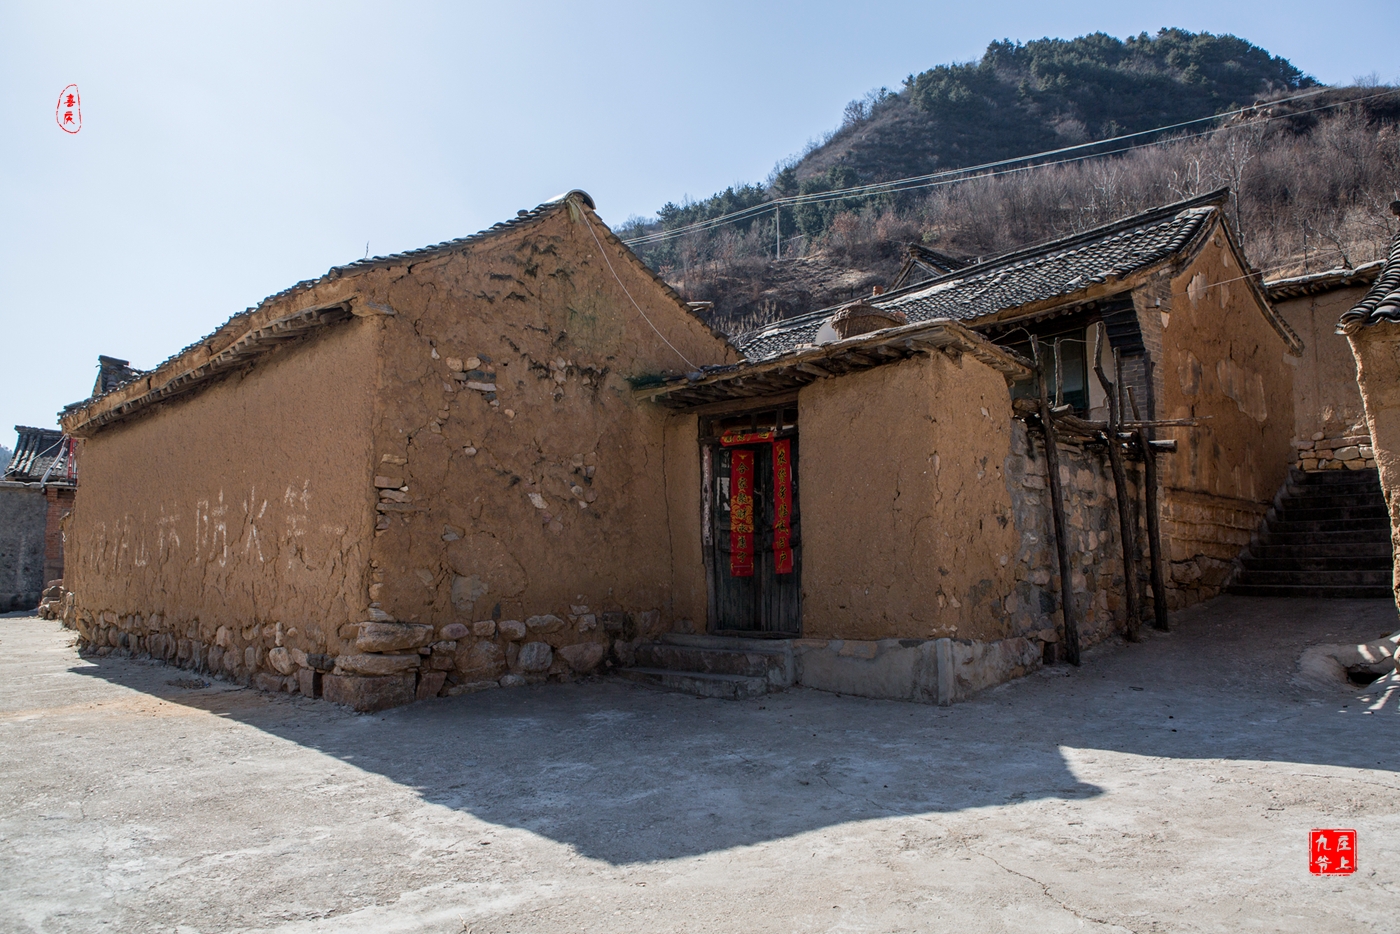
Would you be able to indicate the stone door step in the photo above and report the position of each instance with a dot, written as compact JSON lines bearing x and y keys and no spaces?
{"x":1353,"y":592}
{"x":728,"y":687}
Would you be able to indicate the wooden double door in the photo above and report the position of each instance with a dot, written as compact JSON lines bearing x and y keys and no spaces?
{"x":766,"y":600}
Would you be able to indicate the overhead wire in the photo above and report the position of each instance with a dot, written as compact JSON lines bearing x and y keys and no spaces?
{"x":604,"y":253}
{"x":969,"y":173}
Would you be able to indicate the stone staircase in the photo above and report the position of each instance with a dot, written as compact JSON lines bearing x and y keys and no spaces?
{"x":714,"y":666}
{"x":1328,"y":536}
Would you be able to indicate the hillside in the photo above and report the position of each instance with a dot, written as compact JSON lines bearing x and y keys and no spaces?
{"x":1312,"y":174}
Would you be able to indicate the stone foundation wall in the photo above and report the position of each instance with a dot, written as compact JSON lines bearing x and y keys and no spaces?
{"x":1348,"y":452}
{"x":388,"y":663}
{"x":1095,"y":553}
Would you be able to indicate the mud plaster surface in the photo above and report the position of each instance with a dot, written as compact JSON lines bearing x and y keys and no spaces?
{"x":239,"y":505}
{"x":1224,"y":360}
{"x":1325,"y":394}
{"x":1167,"y":786}
{"x":556,"y":495}
{"x":906,"y":515}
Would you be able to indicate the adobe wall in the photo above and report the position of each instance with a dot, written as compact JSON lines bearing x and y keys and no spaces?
{"x":23,"y":513}
{"x":227,"y":523}
{"x":1326,"y":401}
{"x":59,"y":503}
{"x":1220,"y":358}
{"x":532,"y":511}
{"x":906,"y":518}
{"x":1377,"y":352}
{"x":925,"y":515}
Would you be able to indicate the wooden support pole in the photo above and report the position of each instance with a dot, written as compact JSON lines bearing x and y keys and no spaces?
{"x":1120,"y":483}
{"x":1057,"y":511}
{"x":1154,"y":519}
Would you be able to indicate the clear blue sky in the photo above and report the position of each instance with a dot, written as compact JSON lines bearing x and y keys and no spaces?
{"x":228,"y":151}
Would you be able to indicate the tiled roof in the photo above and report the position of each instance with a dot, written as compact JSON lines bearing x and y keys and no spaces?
{"x":34,"y":452}
{"x":352,"y":269}
{"x":1318,"y":282}
{"x":1382,"y":302}
{"x":1060,"y":268}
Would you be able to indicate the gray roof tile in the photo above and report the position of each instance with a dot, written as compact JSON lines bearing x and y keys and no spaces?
{"x":1059,"y":268}
{"x":1382,"y":302}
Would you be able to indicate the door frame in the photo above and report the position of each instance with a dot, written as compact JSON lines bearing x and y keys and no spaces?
{"x":708,"y":444}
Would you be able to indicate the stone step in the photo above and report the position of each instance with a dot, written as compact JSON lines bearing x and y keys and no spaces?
{"x":1333,"y":475}
{"x":771,"y":665}
{"x":1318,"y":578}
{"x":1328,"y":525}
{"x":1310,"y":590}
{"x":727,"y":687}
{"x":1307,"y":513}
{"x":776,"y":646}
{"x":1327,"y":499}
{"x":1310,"y":560}
{"x":1344,"y":546}
{"x":1378,"y":538}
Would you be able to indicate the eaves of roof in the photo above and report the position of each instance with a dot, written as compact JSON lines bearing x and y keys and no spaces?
{"x":270,"y":323}
{"x":789,"y":372}
{"x":1382,"y":301}
{"x":1317,"y":283}
{"x":1093,"y":264}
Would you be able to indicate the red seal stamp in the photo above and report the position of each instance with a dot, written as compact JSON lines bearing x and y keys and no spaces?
{"x":70,"y":110}
{"x":1332,"y":852}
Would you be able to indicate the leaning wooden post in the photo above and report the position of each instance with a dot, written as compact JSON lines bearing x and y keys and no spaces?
{"x":1120,"y":483}
{"x":1057,"y":511}
{"x":1154,"y":519}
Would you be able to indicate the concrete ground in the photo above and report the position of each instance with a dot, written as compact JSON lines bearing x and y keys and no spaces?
{"x":1166,"y":786}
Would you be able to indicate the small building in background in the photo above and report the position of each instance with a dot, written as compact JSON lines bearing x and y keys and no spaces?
{"x":36,"y":493}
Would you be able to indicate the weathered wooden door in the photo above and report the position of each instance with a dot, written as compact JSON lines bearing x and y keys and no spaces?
{"x":767,"y":601}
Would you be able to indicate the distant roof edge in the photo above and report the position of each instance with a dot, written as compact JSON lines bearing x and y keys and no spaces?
{"x":1065,"y":266}
{"x":1315,"y":283}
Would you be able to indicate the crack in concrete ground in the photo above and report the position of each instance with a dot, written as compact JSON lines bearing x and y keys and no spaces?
{"x":1045,"y":890}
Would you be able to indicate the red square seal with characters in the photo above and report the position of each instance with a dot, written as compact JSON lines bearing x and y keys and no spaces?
{"x":1332,"y":852}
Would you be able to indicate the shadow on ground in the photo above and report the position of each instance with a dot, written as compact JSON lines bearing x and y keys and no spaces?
{"x":626,"y":774}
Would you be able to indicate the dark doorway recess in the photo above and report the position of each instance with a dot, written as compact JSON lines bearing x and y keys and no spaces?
{"x":767,"y":603}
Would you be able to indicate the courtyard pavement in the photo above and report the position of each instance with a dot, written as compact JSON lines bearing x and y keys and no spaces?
{"x":1163,"y":786}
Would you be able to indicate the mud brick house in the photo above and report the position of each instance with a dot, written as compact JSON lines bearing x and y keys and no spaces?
{"x":1195,"y":334}
{"x":520,"y":456}
{"x":1372,"y":328}
{"x":418,"y":472}
{"x":36,"y":493}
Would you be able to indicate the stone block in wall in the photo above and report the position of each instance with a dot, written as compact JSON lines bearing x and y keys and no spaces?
{"x":391,"y":637}
{"x":544,"y":624}
{"x":368,"y":694}
{"x":511,"y":629}
{"x":484,"y":661}
{"x":429,"y":684}
{"x":371,"y":664}
{"x":535,"y":656}
{"x":309,"y":681}
{"x":584,"y":656}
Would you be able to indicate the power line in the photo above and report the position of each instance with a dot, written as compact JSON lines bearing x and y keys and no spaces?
{"x":953,"y":176}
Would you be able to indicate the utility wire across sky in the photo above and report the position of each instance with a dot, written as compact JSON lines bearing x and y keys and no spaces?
{"x":990,"y":169}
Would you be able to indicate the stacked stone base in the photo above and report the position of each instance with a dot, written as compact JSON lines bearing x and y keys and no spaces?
{"x":1348,"y":452}
{"x":382,"y":663}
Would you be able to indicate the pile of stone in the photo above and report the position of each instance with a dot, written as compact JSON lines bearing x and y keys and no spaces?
{"x":51,"y":601}
{"x":1351,"y":452}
